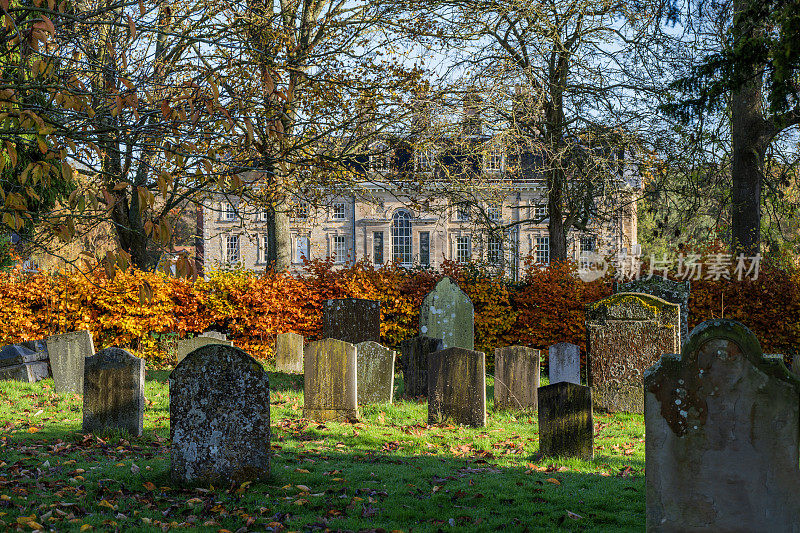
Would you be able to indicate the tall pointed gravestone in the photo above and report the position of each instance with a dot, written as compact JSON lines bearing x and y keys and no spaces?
{"x":219,"y":417}
{"x":68,"y":352}
{"x":674,"y":292}
{"x":330,"y":381}
{"x":351,"y":320}
{"x":113,"y":392}
{"x":289,"y":352}
{"x":414,"y":363}
{"x":457,"y":387}
{"x":187,"y":346}
{"x":516,"y":378}
{"x":627,"y":333}
{"x":722,"y":423}
{"x":375,"y":373}
{"x":447,"y":313}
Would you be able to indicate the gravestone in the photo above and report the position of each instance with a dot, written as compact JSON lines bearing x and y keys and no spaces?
{"x":447,"y":313}
{"x":564,"y":363}
{"x":187,"y":346}
{"x":22,"y":362}
{"x":516,"y":377}
{"x":566,"y":425}
{"x":331,"y":381}
{"x":214,"y":335}
{"x":457,"y":387}
{"x":351,"y":320}
{"x":627,"y":333}
{"x":414,"y":363}
{"x":374,"y":373}
{"x":219,"y":417}
{"x":67,"y":354}
{"x":721,"y":436}
{"x":675,"y":292}
{"x":289,"y":352}
{"x":113,"y":392}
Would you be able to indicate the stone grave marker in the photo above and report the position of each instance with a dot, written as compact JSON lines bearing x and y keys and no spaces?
{"x":627,"y":333}
{"x":351,"y":320}
{"x":22,"y":363}
{"x":722,"y":422}
{"x":187,"y":346}
{"x":566,"y":426}
{"x":457,"y":387}
{"x":289,"y":352}
{"x":564,"y":363}
{"x":516,"y":377}
{"x":214,"y":335}
{"x":330,"y":381}
{"x":113,"y":392}
{"x":374,"y":373}
{"x":447,"y":313}
{"x":675,"y":292}
{"x":219,"y":417}
{"x":67,"y":354}
{"x":414,"y":363}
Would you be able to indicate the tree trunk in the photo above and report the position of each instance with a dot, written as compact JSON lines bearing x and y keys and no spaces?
{"x":556,"y":230}
{"x":279,"y":247}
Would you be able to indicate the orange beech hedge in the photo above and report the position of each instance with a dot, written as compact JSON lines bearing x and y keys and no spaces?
{"x":545,"y":307}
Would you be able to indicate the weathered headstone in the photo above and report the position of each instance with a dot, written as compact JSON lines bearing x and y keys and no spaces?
{"x":721,"y":436}
{"x":516,"y":377}
{"x":331,"y":381}
{"x":447,"y":313}
{"x":564,"y":363}
{"x":457,"y":387}
{"x":375,"y":373}
{"x":22,"y":362}
{"x":351,"y":320}
{"x":67,"y":354}
{"x":566,"y":426}
{"x":214,"y":335}
{"x":627,"y":333}
{"x":289,"y":352}
{"x":674,"y":292}
{"x":219,"y":417}
{"x":113,"y":392}
{"x":187,"y":346}
{"x":414,"y":363}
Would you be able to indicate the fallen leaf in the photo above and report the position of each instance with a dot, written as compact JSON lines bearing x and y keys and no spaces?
{"x":553,"y":480}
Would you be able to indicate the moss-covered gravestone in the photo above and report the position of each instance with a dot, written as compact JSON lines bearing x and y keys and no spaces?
{"x":722,"y":423}
{"x":289,"y":352}
{"x":351,"y":320}
{"x":564,"y":363}
{"x":447,"y":313}
{"x":414,"y":363}
{"x":187,"y":346}
{"x":566,"y":427}
{"x":375,"y":373}
{"x":457,"y":387}
{"x":330,"y":381}
{"x":113,"y":392}
{"x":67,"y":354}
{"x":627,"y":333}
{"x":516,"y":377}
{"x":675,"y":292}
{"x":219,"y":417}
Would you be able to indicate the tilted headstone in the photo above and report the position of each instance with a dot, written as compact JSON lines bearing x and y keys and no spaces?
{"x":414,"y":363}
{"x":564,"y":363}
{"x":674,"y":292}
{"x":627,"y":333}
{"x":113,"y":392}
{"x":721,"y":436}
{"x":331,"y":381}
{"x":566,"y":425}
{"x":22,"y":362}
{"x":219,"y":417}
{"x":289,"y":352}
{"x":67,"y":354}
{"x":457,"y":387}
{"x":447,"y":313}
{"x":187,"y":346}
{"x":375,"y":373}
{"x":351,"y":320}
{"x":516,"y":377}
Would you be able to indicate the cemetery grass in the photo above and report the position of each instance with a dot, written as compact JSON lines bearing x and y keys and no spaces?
{"x":390,"y":471}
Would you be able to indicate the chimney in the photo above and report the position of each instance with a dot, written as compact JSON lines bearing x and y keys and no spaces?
{"x":472,"y":120}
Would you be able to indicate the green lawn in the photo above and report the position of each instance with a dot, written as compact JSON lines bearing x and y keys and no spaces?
{"x":391,"y":471}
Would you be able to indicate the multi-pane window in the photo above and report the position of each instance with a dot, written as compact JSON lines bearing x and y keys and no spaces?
{"x":377,"y":247}
{"x":587,"y":244}
{"x":339,"y":211}
{"x":381,"y":159}
{"x":301,"y":249}
{"x":543,"y":250}
{"x":232,"y":249}
{"x":401,"y":238}
{"x":339,"y":248}
{"x":494,"y":212}
{"x":493,"y":160}
{"x":228,"y":211}
{"x":462,"y":212}
{"x":263,"y":215}
{"x":263,"y":247}
{"x":494,"y":250}
{"x":425,"y":160}
{"x":425,"y":248}
{"x":539,"y":212}
{"x":301,"y":210}
{"x":463,"y":249}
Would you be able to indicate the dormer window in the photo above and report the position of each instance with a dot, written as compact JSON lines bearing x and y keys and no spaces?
{"x":228,"y":212}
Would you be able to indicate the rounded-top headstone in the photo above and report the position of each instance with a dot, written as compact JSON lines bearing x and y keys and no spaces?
{"x":447,"y":313}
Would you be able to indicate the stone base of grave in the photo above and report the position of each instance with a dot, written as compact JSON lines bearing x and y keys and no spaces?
{"x":27,"y":372}
{"x":325,"y":415}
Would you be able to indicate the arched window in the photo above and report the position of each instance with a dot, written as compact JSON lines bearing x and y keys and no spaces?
{"x":401,"y":237}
